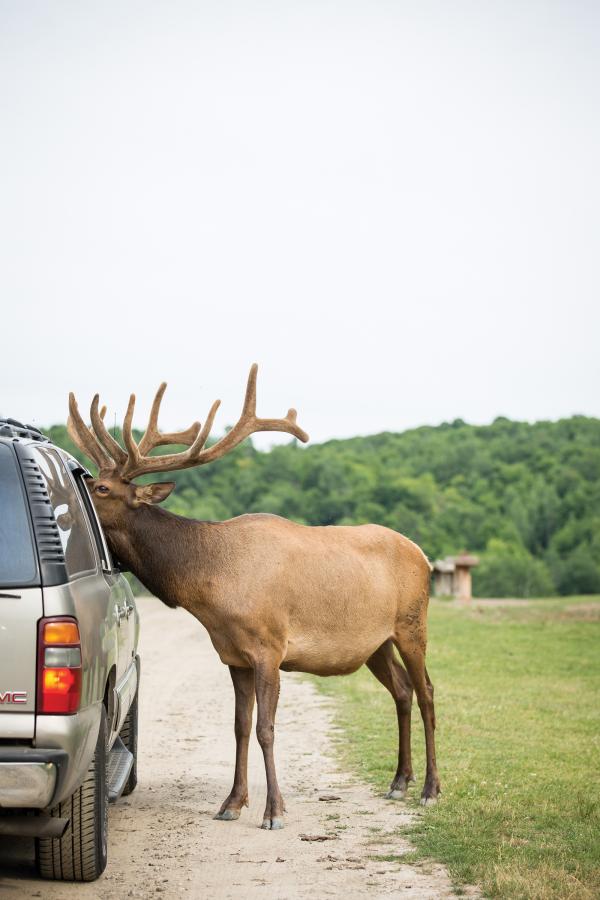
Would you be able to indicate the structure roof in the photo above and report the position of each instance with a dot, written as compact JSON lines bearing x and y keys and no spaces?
{"x":466,"y":559}
{"x":450,"y":563}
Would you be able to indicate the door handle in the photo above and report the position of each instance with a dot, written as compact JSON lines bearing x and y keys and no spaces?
{"x":121,"y":613}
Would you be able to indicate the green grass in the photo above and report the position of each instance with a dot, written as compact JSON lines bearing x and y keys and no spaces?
{"x":518,"y":741}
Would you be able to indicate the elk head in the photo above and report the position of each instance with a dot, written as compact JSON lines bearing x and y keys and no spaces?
{"x":114,"y":492}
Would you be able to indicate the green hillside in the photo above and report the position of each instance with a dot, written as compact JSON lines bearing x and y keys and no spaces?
{"x":525,"y":497}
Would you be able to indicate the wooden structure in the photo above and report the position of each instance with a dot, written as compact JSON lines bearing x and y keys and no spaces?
{"x":452,"y":576}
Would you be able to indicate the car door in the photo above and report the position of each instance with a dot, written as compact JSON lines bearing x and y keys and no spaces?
{"x":121,"y":600}
{"x":123,"y":605}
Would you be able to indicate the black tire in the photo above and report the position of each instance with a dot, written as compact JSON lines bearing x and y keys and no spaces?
{"x":129,"y":736}
{"x":80,"y":854}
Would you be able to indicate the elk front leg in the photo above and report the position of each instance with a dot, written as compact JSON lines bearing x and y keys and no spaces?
{"x":267,"y":695}
{"x":243,"y":684}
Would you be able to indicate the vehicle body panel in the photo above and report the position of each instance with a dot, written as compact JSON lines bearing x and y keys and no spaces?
{"x":77,"y":735}
{"x":20,"y":610}
{"x":17,"y":726}
{"x":125,"y":692}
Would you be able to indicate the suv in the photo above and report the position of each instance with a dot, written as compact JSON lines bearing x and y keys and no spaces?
{"x":69,"y":669}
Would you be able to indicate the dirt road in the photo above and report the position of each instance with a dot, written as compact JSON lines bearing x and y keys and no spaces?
{"x":163,"y":839}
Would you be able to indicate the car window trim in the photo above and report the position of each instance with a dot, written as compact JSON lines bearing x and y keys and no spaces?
{"x":79,"y":476}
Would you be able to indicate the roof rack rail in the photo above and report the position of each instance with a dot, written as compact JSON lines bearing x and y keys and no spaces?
{"x":12,"y":428}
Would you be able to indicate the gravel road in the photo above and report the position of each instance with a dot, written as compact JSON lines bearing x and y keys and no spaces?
{"x":163,"y":839}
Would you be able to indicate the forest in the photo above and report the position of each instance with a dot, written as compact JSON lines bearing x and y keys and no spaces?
{"x":524,"y":497}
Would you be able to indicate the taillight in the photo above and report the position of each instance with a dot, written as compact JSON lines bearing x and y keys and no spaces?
{"x":59,"y":666}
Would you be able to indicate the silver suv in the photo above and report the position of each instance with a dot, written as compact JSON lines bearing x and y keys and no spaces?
{"x":69,"y":668}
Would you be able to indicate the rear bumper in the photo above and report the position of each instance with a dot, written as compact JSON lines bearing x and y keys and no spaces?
{"x":30,"y":778}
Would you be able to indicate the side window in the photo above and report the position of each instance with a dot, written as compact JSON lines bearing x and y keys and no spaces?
{"x":70,"y":518}
{"x":101,"y":545}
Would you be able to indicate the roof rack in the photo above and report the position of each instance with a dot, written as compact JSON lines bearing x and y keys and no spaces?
{"x":12,"y":428}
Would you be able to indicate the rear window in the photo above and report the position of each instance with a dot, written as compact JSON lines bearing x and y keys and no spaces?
{"x":17,"y":554}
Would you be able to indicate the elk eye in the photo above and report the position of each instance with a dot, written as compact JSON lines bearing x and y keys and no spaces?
{"x":102,"y":489}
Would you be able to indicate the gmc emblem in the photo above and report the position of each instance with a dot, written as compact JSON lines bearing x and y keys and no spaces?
{"x":13,"y":697}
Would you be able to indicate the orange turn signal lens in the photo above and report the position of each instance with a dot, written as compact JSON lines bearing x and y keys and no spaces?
{"x":61,"y":633}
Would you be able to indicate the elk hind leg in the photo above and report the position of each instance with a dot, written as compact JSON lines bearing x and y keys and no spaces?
{"x":243,"y":685}
{"x":412,"y":651}
{"x":388,"y":670}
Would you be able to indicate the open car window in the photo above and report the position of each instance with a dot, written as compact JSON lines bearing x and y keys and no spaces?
{"x":101,"y":545}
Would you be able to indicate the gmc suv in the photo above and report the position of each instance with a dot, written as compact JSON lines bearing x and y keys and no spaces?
{"x":69,"y":669}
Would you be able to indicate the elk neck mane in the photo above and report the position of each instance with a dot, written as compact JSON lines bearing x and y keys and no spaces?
{"x":168,"y":553}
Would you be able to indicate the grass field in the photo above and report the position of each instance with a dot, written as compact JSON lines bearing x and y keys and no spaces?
{"x":518,"y":711}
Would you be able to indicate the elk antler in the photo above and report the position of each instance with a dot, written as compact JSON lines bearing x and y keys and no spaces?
{"x":108,"y":455}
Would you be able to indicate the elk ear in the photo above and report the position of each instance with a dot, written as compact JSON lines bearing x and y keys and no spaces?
{"x":153,"y":493}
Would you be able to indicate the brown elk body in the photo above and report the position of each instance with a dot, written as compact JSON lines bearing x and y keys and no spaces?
{"x":272,"y":594}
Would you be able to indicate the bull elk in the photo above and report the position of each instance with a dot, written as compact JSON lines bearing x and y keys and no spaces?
{"x":272,"y":594}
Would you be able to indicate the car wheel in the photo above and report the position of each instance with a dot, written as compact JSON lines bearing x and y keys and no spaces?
{"x":129,"y":736}
{"x":80,"y":854}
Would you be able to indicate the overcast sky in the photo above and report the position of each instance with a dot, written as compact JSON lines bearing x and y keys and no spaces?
{"x":394,"y":208}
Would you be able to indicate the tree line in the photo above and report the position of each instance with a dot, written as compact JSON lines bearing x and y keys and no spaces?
{"x":524,"y":497}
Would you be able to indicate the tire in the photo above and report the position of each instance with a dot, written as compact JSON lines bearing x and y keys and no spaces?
{"x":80,"y":854}
{"x":129,"y":736}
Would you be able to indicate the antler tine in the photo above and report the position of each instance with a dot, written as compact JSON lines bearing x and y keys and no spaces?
{"x":153,"y":437}
{"x":249,"y":407}
{"x":147,"y":441}
{"x":104,"y":436}
{"x":102,"y":416}
{"x":133,"y":454}
{"x":84,"y":439}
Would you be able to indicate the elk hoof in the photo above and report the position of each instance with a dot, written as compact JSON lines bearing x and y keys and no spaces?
{"x":399,"y":787}
{"x":396,"y":794}
{"x":428,"y":801}
{"x":228,"y":815}
{"x":272,"y":824}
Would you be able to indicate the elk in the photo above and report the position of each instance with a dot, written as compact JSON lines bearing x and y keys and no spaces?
{"x":273,"y":595}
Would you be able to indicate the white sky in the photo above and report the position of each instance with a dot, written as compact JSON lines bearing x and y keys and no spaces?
{"x":394,"y":208}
